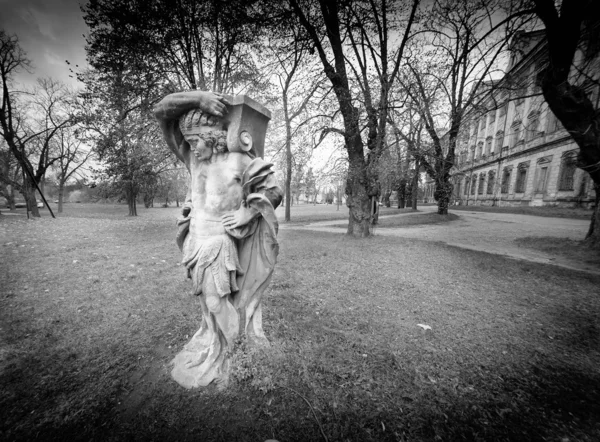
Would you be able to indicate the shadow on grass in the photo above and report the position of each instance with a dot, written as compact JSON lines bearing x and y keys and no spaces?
{"x":512,"y":354}
{"x":565,"y":247}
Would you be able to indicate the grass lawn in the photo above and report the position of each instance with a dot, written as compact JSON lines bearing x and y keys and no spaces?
{"x":412,"y":221}
{"x":565,"y":247}
{"x":93,"y":306}
{"x":308,"y":213}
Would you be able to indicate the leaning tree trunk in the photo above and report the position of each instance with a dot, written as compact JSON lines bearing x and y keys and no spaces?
{"x":581,"y":119}
{"x":29,"y":195}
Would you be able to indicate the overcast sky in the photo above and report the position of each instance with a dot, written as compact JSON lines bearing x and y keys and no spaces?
{"x":50,"y":31}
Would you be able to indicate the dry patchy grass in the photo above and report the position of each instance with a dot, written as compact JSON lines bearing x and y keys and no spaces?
{"x":547,"y":211}
{"x":417,"y":220}
{"x":93,"y":309}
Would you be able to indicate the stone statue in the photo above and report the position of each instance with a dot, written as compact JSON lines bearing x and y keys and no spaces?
{"x":228,"y":230}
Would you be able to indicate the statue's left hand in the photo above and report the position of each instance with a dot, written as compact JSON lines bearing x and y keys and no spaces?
{"x":239,"y":218}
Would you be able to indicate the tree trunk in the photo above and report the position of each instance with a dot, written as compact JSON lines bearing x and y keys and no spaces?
{"x":415,"y":187}
{"x":131,"y":197}
{"x":29,"y":195}
{"x":442,"y":195}
{"x":61,"y":195}
{"x":592,"y":239}
{"x":288,"y":176}
{"x":359,"y":203}
{"x":401,"y":191}
{"x":11,"y":199}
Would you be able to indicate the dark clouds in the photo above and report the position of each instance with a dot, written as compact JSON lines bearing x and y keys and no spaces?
{"x":50,"y":31}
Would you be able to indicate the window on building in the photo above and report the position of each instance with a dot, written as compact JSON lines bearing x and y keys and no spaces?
{"x":533,"y":125}
{"x":479,"y":149}
{"x":481,"y":184}
{"x":473,"y":184}
{"x":566,"y":179}
{"x":499,"y":140}
{"x":491,"y":182}
{"x":488,"y":146}
{"x":542,"y":172}
{"x":505,"y":180}
{"x":540,"y":185}
{"x":521,"y":178}
{"x":515,"y":134}
{"x":467,"y":186}
{"x":457,"y":188}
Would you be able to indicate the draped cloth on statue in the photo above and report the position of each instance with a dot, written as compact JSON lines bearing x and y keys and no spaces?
{"x":241,"y":263}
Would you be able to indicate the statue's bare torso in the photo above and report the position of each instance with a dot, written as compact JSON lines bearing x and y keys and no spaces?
{"x":216,"y":189}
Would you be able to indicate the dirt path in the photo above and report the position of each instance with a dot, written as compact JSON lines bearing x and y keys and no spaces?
{"x":487,"y":232}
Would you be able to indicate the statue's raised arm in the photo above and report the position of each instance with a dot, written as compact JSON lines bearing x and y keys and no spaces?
{"x":173,"y":106}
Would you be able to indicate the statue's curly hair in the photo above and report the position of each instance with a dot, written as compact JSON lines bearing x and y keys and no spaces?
{"x":191,"y":122}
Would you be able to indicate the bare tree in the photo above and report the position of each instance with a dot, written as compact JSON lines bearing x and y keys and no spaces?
{"x":72,"y":156}
{"x":574,"y":27}
{"x":329,"y":25}
{"x":301,"y":88}
{"x":451,"y":71}
{"x":28,"y":137}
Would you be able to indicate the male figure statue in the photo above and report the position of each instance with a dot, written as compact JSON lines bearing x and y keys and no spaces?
{"x":228,"y":231}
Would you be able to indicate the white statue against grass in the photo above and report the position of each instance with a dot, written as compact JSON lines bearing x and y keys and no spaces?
{"x":228,"y":230}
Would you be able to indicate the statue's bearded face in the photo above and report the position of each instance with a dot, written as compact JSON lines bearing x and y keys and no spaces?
{"x":201,"y":149}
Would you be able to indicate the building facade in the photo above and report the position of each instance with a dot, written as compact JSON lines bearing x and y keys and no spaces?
{"x":514,"y":151}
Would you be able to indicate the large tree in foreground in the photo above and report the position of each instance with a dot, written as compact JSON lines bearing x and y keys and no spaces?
{"x":573,"y":31}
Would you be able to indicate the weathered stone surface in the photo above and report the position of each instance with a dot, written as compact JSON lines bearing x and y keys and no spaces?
{"x":228,"y":230}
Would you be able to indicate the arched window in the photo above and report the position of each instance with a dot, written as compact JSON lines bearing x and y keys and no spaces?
{"x":467,"y":182}
{"x":491,"y":182}
{"x":568,"y":165}
{"x":481,"y":183}
{"x":505,"y":180}
{"x":479,"y":149}
{"x":473,"y":184}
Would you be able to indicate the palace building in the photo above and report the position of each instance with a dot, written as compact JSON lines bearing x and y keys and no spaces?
{"x":514,"y":151}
